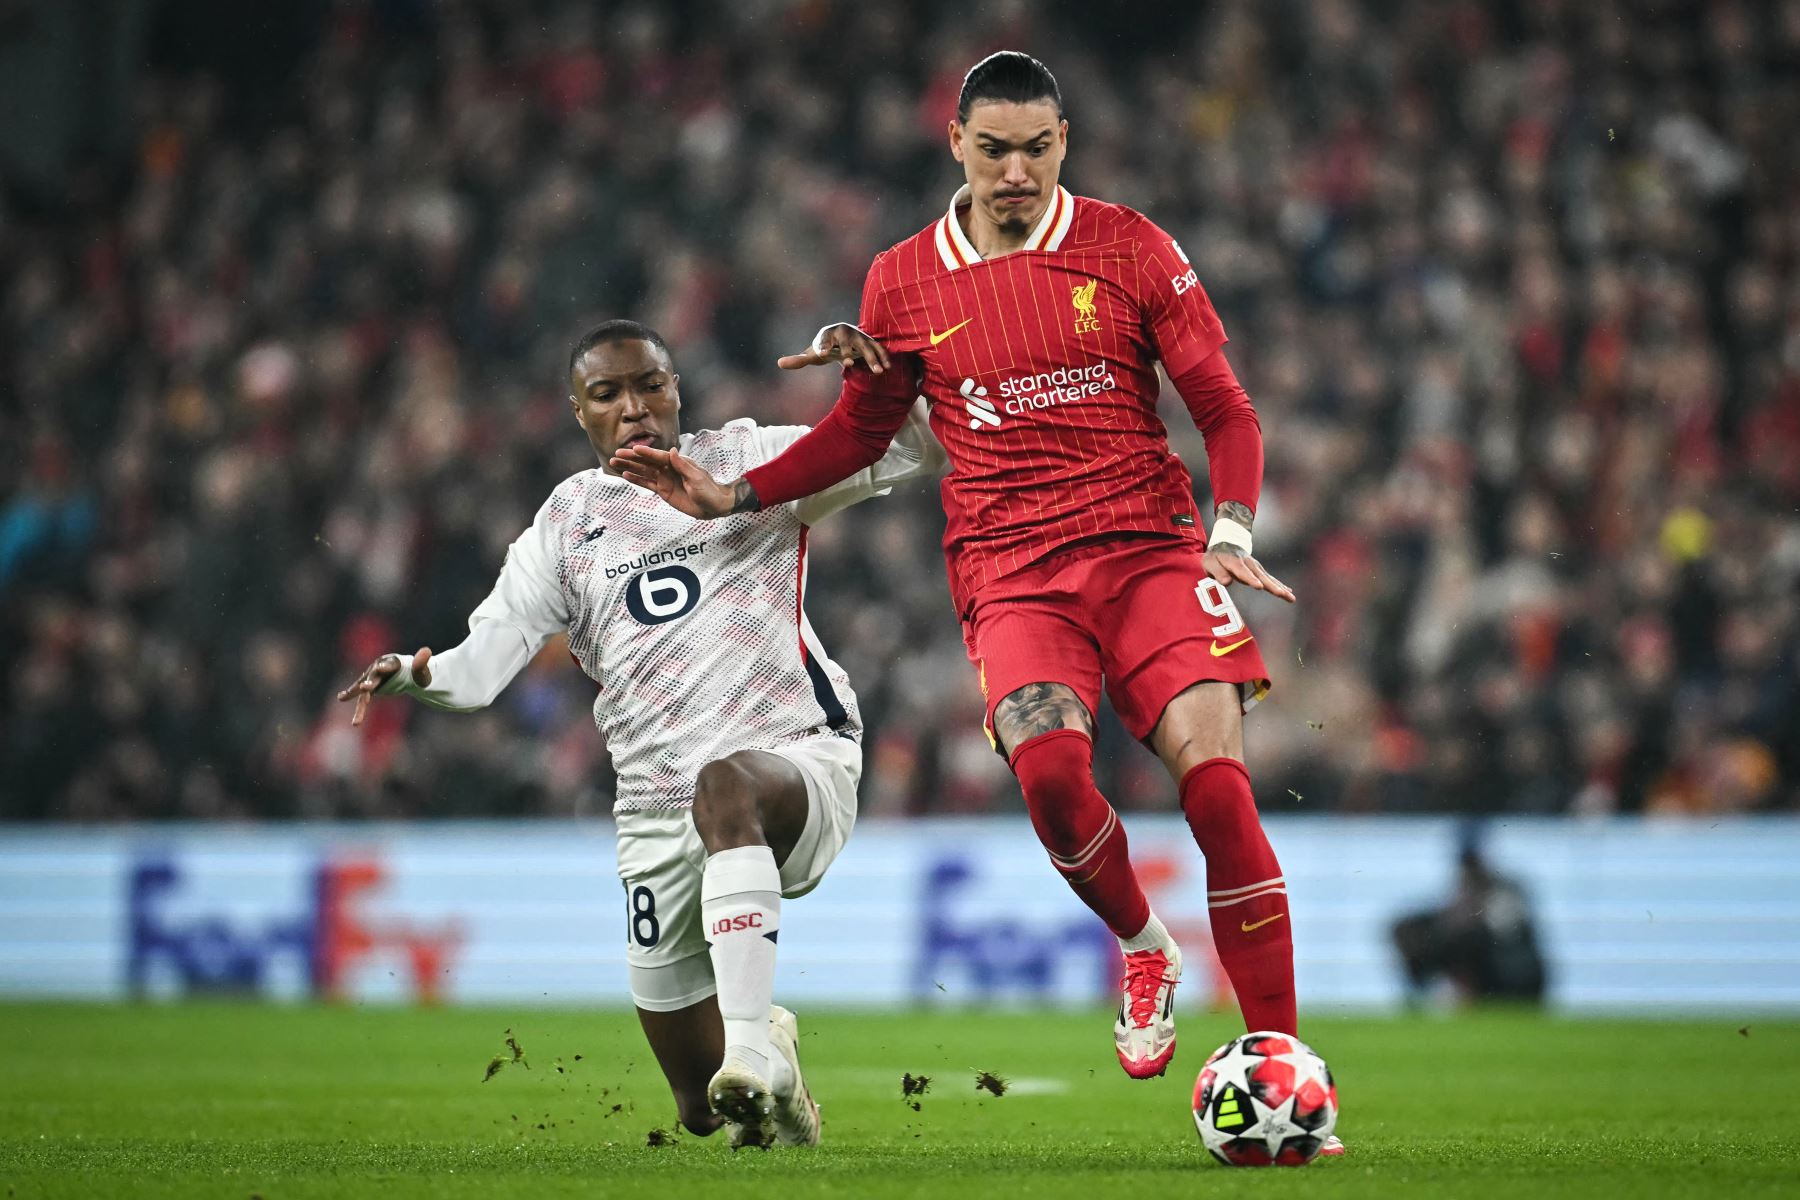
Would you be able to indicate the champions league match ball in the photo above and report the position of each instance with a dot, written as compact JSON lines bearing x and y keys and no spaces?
{"x":1264,"y":1100}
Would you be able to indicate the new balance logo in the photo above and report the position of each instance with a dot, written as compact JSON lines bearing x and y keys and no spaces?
{"x":981,"y":410}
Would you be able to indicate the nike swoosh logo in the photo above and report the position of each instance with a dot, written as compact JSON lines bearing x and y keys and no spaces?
{"x":1247,"y":927}
{"x":938,"y":337}
{"x":1095,"y":875}
{"x":1221,"y":651}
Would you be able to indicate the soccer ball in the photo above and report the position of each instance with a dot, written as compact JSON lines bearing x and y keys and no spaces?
{"x":1265,"y":1099}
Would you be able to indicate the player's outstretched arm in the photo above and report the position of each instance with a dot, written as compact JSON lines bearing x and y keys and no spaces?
{"x":682,"y":483}
{"x":378,"y":673}
{"x":465,"y":678}
{"x":853,"y":435}
{"x":525,"y":609}
{"x":913,"y":454}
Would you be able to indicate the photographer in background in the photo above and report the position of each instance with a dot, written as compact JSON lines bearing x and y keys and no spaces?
{"x":1482,"y":940}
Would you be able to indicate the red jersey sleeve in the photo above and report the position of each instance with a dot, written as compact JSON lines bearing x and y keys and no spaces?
{"x":876,"y":316}
{"x":870,"y":410}
{"x":1224,"y":416}
{"x":1177,"y":313}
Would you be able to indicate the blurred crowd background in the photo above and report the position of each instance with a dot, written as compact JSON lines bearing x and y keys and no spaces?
{"x":286,"y":297}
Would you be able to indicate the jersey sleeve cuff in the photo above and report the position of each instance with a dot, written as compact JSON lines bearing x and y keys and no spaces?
{"x":400,"y":683}
{"x":1191,"y":354}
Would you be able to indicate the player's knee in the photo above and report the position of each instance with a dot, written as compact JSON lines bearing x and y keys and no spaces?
{"x":1038,"y":709}
{"x":725,"y":801}
{"x":695,"y":1114}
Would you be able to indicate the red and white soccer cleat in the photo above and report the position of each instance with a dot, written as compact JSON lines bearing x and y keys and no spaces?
{"x":796,"y":1116}
{"x":1332,"y":1147}
{"x":1144,"y":1034}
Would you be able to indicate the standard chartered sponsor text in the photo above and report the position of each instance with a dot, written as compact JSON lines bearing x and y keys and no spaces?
{"x":1061,"y":386}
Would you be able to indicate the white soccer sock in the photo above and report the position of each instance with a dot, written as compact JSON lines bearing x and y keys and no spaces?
{"x":740,"y":906}
{"x":1151,"y":937}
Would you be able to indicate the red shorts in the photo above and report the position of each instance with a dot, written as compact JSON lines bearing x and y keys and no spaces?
{"x":1139,"y":614}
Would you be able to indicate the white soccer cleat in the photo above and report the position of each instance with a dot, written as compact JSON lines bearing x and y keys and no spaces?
{"x":1145,"y":1031}
{"x":1332,"y":1147}
{"x":796,"y":1116}
{"x":747,"y":1103}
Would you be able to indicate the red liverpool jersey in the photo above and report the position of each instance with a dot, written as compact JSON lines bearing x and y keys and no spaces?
{"x":1040,"y":370}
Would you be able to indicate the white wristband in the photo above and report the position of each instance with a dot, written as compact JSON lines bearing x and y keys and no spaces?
{"x":1227,"y":530}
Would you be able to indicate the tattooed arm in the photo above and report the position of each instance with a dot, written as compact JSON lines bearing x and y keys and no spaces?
{"x":1232,"y":510}
{"x":1228,"y":553}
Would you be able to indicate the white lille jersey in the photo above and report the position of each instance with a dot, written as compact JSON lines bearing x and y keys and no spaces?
{"x":694,"y":630}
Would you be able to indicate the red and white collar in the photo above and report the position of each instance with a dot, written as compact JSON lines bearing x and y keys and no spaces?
{"x":954,"y":247}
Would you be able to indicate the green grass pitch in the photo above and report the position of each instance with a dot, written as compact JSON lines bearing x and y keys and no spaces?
{"x":241,"y":1101}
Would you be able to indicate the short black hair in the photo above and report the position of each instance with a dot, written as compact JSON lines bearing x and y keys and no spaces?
{"x":619,"y":330}
{"x":1009,"y":75}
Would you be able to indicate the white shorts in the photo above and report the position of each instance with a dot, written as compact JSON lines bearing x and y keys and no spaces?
{"x":661,"y":860}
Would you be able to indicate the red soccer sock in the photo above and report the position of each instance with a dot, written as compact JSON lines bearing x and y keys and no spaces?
{"x":1079,"y":828}
{"x":1246,"y":895}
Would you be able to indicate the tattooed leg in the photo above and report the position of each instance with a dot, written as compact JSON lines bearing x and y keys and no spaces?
{"x":1049,"y":732}
{"x":1039,"y":708}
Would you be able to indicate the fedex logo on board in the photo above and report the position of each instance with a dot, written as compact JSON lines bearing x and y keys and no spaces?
{"x":322,"y":942}
{"x":1014,"y":950}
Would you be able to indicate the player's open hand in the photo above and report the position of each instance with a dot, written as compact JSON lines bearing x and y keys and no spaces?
{"x":839,"y":344}
{"x":679,"y":480}
{"x":378,"y":673}
{"x":1228,"y":565}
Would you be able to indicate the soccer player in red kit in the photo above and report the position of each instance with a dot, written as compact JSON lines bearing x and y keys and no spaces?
{"x":1032,"y":320}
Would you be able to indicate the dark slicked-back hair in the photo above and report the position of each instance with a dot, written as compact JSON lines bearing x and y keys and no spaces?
{"x":1011,"y":76}
{"x":617,"y":331}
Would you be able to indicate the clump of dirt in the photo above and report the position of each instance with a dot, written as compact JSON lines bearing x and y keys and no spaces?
{"x":656,"y":1139}
{"x":516,"y":1054}
{"x":987,"y":1081}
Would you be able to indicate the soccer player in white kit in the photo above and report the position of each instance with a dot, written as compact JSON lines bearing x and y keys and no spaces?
{"x":737,"y":741}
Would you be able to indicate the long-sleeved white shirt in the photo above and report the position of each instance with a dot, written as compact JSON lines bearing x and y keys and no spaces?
{"x":694,"y":630}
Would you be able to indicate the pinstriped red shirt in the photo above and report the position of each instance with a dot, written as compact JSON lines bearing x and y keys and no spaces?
{"x":1040,"y":368}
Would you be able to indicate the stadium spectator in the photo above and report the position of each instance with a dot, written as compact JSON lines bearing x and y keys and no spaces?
{"x":1515,"y":288}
